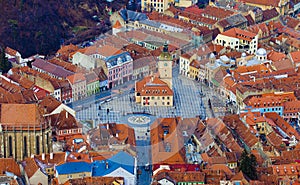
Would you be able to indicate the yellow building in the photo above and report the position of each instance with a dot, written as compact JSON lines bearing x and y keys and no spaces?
{"x":152,"y":91}
{"x":157,"y":5}
{"x":282,"y":6}
{"x":194,"y":69}
{"x":162,"y":5}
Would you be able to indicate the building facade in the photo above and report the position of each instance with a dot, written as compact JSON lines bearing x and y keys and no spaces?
{"x":78,"y":84}
{"x":238,"y":39}
{"x":120,"y":69}
{"x":24,"y":131}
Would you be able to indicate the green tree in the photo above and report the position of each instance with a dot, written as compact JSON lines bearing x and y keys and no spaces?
{"x":248,"y":164}
{"x":5,"y":65}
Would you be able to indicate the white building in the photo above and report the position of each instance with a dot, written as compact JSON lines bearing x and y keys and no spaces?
{"x":184,"y":64}
{"x":238,"y":39}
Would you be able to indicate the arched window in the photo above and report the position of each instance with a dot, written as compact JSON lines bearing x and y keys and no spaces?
{"x":25,"y":152}
{"x":37,"y":145}
{"x":10,"y":147}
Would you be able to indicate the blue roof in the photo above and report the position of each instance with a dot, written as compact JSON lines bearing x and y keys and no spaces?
{"x":122,"y":57}
{"x":129,"y":15}
{"x":121,"y":159}
{"x":73,"y":167}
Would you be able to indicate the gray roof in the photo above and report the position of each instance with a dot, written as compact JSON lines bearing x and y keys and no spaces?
{"x":236,"y":19}
{"x":51,"y":68}
{"x":120,"y":58}
{"x":129,"y":15}
{"x":151,"y":23}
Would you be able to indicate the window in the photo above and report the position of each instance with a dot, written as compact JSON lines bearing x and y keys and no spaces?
{"x":10,"y":147}
{"x":37,"y":144}
{"x":25,"y":146}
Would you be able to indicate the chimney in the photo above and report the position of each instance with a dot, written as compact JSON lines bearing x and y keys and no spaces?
{"x":43,"y":156}
{"x":107,"y":126}
{"x":106,"y":165}
{"x":51,"y":155}
{"x":67,"y":114}
{"x":117,"y":135}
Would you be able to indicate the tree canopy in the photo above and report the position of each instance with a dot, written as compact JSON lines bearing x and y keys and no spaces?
{"x":5,"y":65}
{"x":248,"y":164}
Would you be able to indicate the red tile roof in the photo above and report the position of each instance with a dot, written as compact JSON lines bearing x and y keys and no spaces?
{"x":10,"y":51}
{"x":282,"y":124}
{"x":276,"y":56}
{"x":76,"y":78}
{"x":9,"y":165}
{"x":217,"y":12}
{"x":243,"y":132}
{"x":295,"y":56}
{"x":239,"y":33}
{"x":121,"y":133}
{"x":96,"y":181}
{"x":167,"y":142}
{"x":30,"y":166}
{"x":105,"y":50}
{"x":153,"y":86}
{"x":117,"y":25}
{"x":18,"y":115}
{"x":272,"y":3}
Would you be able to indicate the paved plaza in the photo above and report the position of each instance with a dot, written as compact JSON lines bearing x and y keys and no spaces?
{"x":190,"y":100}
{"x":187,"y":103}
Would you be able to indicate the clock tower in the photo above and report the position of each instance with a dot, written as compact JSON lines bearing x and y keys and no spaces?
{"x":165,"y":66}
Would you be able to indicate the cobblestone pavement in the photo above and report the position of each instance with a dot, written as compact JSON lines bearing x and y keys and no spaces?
{"x":187,"y":103}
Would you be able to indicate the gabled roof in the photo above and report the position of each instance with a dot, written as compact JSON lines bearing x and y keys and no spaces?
{"x":167,"y":142}
{"x":76,"y":78}
{"x":96,"y":181}
{"x":217,"y":12}
{"x":49,"y":104}
{"x":117,"y":25}
{"x":103,"y":136}
{"x":51,"y":68}
{"x":177,"y":177}
{"x":64,"y":120}
{"x":269,"y":14}
{"x":30,"y":166}
{"x":91,"y":77}
{"x":20,"y":115}
{"x":24,"y":82}
{"x":153,"y":86}
{"x":295,"y":56}
{"x":276,"y":56}
{"x":9,"y":165}
{"x":239,"y":33}
{"x":73,"y":167}
{"x":129,"y":15}
{"x":232,"y":21}
{"x":272,"y":3}
{"x":120,"y":160}
{"x":11,"y":51}
{"x":105,"y":51}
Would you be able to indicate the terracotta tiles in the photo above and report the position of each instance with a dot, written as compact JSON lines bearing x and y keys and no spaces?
{"x":9,"y":165}
{"x":153,"y":86}
{"x":240,"y":34}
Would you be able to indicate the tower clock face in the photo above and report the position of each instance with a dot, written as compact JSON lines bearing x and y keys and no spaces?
{"x":166,"y":64}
